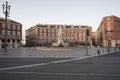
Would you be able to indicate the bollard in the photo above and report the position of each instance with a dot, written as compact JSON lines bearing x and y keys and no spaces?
{"x":98,"y":52}
{"x":108,"y":50}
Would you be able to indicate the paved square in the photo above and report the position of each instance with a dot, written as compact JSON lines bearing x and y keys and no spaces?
{"x":102,"y":67}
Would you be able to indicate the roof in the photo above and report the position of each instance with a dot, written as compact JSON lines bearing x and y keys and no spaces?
{"x":13,"y":21}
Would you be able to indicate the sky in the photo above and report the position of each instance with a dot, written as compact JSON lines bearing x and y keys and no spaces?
{"x":70,"y":12}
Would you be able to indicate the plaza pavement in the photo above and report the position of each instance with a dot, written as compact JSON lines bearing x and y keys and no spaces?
{"x":54,"y":53}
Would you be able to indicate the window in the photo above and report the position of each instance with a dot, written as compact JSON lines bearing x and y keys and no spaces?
{"x":68,"y":39}
{"x":40,"y":34}
{"x":18,"y":33}
{"x":3,"y":32}
{"x":84,"y":34}
{"x":80,"y":34}
{"x":3,"y":25}
{"x":83,"y":30}
{"x":13,"y":33}
{"x":49,"y":35}
{"x":48,"y":30}
{"x":72,"y":30}
{"x":44,"y":34}
{"x":79,"y":30}
{"x":9,"y":26}
{"x":40,"y":30}
{"x":76,"y":39}
{"x":83,"y":39}
{"x":64,"y":34}
{"x":75,"y":34}
{"x":8,"y":33}
{"x":52,"y":34}
{"x":14,"y":27}
{"x":108,"y":28}
{"x":64,"y":30}
{"x":8,"y":21}
{"x":18,"y":27}
{"x":56,"y":30}
{"x":108,"y":34}
{"x":72,"y":35}
{"x":68,"y":34}
{"x":52,"y":30}
{"x":44,"y":29}
{"x":68,"y":30}
{"x":44,"y":40}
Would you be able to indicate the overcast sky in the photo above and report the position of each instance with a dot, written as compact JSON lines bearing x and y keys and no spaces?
{"x":75,"y":12}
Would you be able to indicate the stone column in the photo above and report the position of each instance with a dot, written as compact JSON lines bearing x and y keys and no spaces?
{"x":11,"y":43}
{"x":15,"y":43}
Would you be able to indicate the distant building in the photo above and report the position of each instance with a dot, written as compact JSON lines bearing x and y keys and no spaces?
{"x":46,"y":34}
{"x":14,"y":33}
{"x":108,"y":33}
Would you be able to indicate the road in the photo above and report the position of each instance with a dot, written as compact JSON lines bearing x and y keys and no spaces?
{"x":98,"y":67}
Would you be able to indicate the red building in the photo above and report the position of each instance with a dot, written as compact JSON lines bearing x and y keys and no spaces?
{"x":14,"y":33}
{"x":109,"y":31}
{"x":41,"y":35}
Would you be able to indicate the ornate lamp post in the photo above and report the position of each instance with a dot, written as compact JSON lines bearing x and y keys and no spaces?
{"x":6,"y":11}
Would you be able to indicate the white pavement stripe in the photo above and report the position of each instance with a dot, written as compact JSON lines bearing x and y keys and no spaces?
{"x":91,"y":51}
{"x":34,"y":65}
{"x":67,"y":74}
{"x":41,"y":64}
{"x":25,"y":66}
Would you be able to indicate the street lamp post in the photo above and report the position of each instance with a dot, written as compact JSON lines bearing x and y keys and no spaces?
{"x":6,"y":11}
{"x":86,"y":41}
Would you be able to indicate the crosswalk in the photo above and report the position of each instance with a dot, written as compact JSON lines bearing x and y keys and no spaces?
{"x":71,"y":53}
